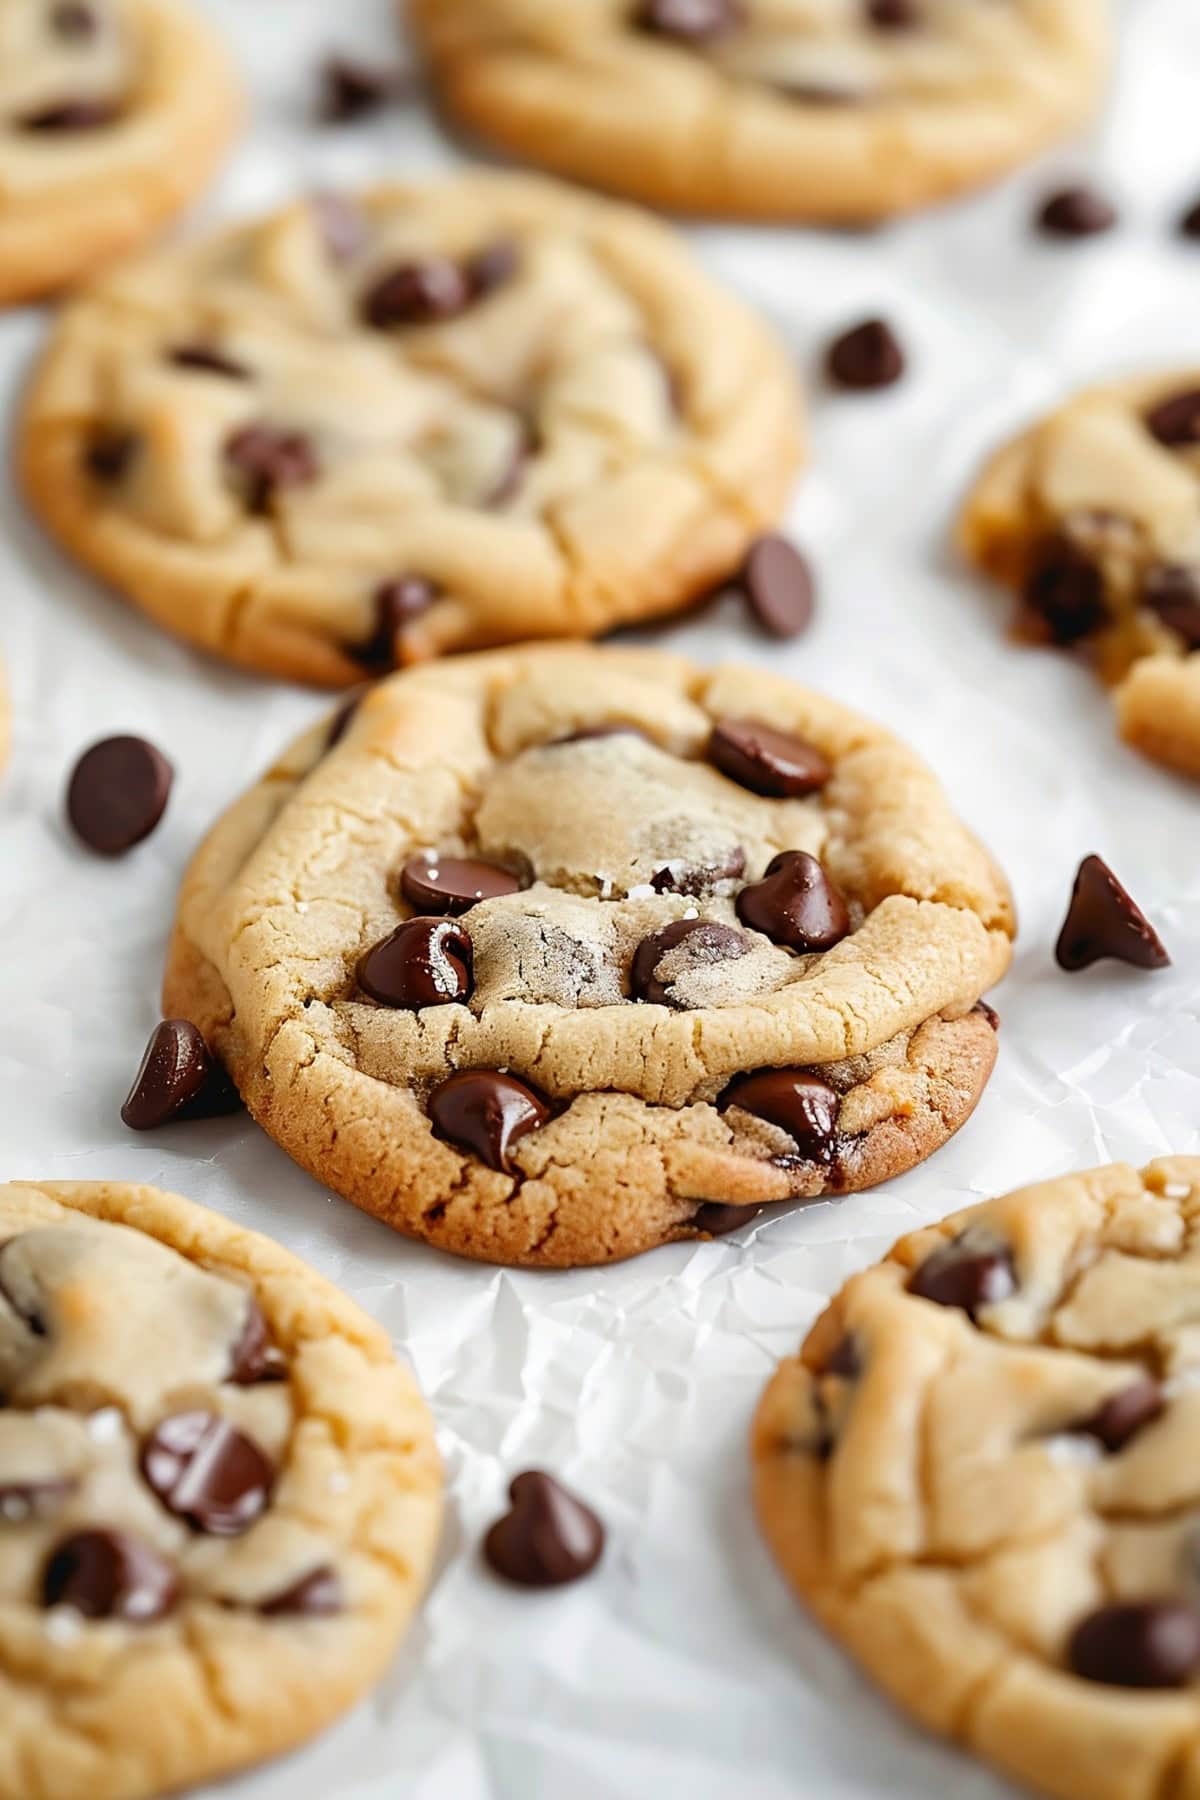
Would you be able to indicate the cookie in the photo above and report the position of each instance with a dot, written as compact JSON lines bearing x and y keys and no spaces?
{"x":980,"y":1474}
{"x":1093,"y":518}
{"x":828,"y":110}
{"x":219,"y":1495}
{"x":113,"y":115}
{"x":448,"y":416}
{"x":550,"y":955}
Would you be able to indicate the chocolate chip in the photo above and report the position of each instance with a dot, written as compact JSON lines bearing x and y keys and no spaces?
{"x":208,"y":1472}
{"x":1065,"y":591}
{"x":453,"y":884}
{"x":109,"y":1575}
{"x":795,"y":904}
{"x":343,"y":718}
{"x":893,"y":15}
{"x":706,"y":944}
{"x":487,"y":1114}
{"x":795,"y":1100}
{"x":23,"y":1500}
{"x":268,"y":459}
{"x":693,"y":21}
{"x":72,"y":19}
{"x":73,"y":115}
{"x":254,"y":1357}
{"x":417,"y":293}
{"x":1189,"y":223}
{"x":1124,"y":1415}
{"x":350,"y":88}
{"x":988,"y":1012}
{"x":1076,"y":212}
{"x":1172,"y":594}
{"x":716,"y":1219}
{"x":1104,"y":920}
{"x":490,"y":269}
{"x":1146,"y":1644}
{"x":109,"y":454}
{"x":1175,"y":421}
{"x":868,"y":356}
{"x":699,"y":878}
{"x":963,"y":1274}
{"x":317,"y":1595}
{"x":549,"y":1537}
{"x":208,"y":360}
{"x":766,"y":760}
{"x":777,"y":585}
{"x":425,"y":962}
{"x":845,"y":1359}
{"x":397,"y":602}
{"x":342,"y":225}
{"x":117,"y":794}
{"x":176,"y":1070}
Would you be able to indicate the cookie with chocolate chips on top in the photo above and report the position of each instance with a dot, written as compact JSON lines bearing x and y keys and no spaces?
{"x":830,"y":110}
{"x":219,"y":1495}
{"x":360,"y":433}
{"x":553,"y":955}
{"x":980,"y":1475}
{"x":113,"y":115}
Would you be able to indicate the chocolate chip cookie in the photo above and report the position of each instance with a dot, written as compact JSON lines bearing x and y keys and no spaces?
{"x":553,"y":955}
{"x":1093,"y":518}
{"x":981,"y":1475}
{"x":113,"y":114}
{"x":358,"y":434}
{"x":219,"y":1495}
{"x":838,"y":110}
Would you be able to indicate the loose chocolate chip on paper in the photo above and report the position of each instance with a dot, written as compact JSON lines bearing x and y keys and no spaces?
{"x":548,"y":1538}
{"x":1124,"y":1415}
{"x":417,"y":293}
{"x":1172,"y":594}
{"x":775,"y":763}
{"x":796,"y":904}
{"x":717,"y":1219}
{"x":317,"y":1595}
{"x":868,"y":356}
{"x":117,"y":794}
{"x":1189,"y":223}
{"x":269,"y":459}
{"x":254,"y":1357}
{"x":208,"y":1472}
{"x":1175,"y":421}
{"x":704,"y":944}
{"x":110,"y":1575}
{"x":692,"y":21}
{"x":1076,"y":212}
{"x":1147,"y":1644}
{"x":208,"y":360}
{"x":350,"y":88}
{"x":989,"y":1013}
{"x":778,"y":586}
{"x":965,"y":1274}
{"x":797,"y":1101}
{"x":487,"y":1114}
{"x":1064,"y":589}
{"x":1103,"y":920}
{"x":424,"y":962}
{"x":178,"y":1078}
{"x":453,"y":884}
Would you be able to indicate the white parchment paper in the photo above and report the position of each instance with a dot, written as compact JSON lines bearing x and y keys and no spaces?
{"x":682,"y":1668}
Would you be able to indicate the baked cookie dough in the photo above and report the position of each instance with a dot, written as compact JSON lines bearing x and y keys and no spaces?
{"x":552,"y":955}
{"x":448,"y":416}
{"x":1093,"y":517}
{"x":834,"y":110}
{"x":981,"y":1474}
{"x":219,"y":1495}
{"x":113,"y":115}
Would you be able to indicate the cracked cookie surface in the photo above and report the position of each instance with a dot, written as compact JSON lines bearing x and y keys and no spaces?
{"x":493,"y":956}
{"x":219,"y":1495}
{"x":1093,"y":518}
{"x":838,"y":110}
{"x":981,"y":1474}
{"x":358,"y":434}
{"x":113,"y":114}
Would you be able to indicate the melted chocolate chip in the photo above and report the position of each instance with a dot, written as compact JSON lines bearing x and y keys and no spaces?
{"x":492,"y":268}
{"x":1076,"y":212}
{"x":1104,"y":920}
{"x":1175,"y":421}
{"x":894,"y":15}
{"x":117,"y":794}
{"x":453,"y":884}
{"x":795,"y":1100}
{"x":867,"y":356}
{"x":716,"y":1219}
{"x":397,"y":602}
{"x":1172,"y":593}
{"x":777,"y":585}
{"x":1147,"y":1644}
{"x":268,"y":459}
{"x":350,"y":88}
{"x":206,"y":359}
{"x":486,"y":1114}
{"x":1124,"y":1415}
{"x":963,"y":1274}
{"x":699,"y":878}
{"x":317,"y":1595}
{"x":795,"y":904}
{"x":549,"y":1537}
{"x":73,"y":115}
{"x":766,"y":760}
{"x":178,"y":1079}
{"x":1065,"y":591}
{"x":704,"y":944}
{"x":109,"y":454}
{"x":342,"y":225}
{"x":109,"y":1575}
{"x":208,"y":1472}
{"x":417,"y":293}
{"x":254,"y":1357}
{"x":425,"y":962}
{"x":846,"y":1358}
{"x":24,"y":1500}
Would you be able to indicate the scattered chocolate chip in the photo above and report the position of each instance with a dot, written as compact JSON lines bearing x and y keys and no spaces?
{"x":795,"y":904}
{"x":1124,"y":1415}
{"x":1065,"y":591}
{"x":846,"y":1358}
{"x":317,"y":1595}
{"x":989,"y":1013}
{"x":342,"y":225}
{"x":109,"y":454}
{"x":777,"y":585}
{"x":208,"y":1472}
{"x":697,"y":879}
{"x":716,"y":1219}
{"x":72,"y":19}
{"x":397,"y":602}
{"x":1104,"y":920}
{"x":965,"y":1275}
{"x":795,"y":1100}
{"x":1076,"y":212}
{"x":490,"y":269}
{"x":487,"y":1114}
{"x":417,"y":293}
{"x":73,"y":115}
{"x":350,"y":88}
{"x":868,"y":356}
{"x":548,"y":1538}
{"x":425,"y":962}
{"x":268,"y":459}
{"x":109,"y":1575}
{"x":1146,"y":1644}
{"x":209,"y":360}
{"x":1175,"y":421}
{"x":705,"y":944}
{"x":254,"y":1357}
{"x":766,"y":760}
{"x":894,"y":15}
{"x":1172,"y":594}
{"x":453,"y":884}
{"x":1189,"y":223}
{"x":178,"y":1078}
{"x":117,"y":794}
{"x":23,"y":1500}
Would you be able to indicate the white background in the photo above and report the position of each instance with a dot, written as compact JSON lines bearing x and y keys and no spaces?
{"x":682,"y":1668}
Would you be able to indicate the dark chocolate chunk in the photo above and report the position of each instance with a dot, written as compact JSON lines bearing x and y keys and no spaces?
{"x":208,"y":1472}
{"x":1144,"y":1644}
{"x":989,"y":1012}
{"x":777,"y":585}
{"x":425,"y":962}
{"x":178,"y":1078}
{"x":717,"y":1219}
{"x":1124,"y":1415}
{"x":966,"y":1274}
{"x":1104,"y":920}
{"x":699,"y":878}
{"x":453,"y":884}
{"x":1175,"y":421}
{"x":254,"y":1357}
{"x":268,"y":459}
{"x":73,"y":115}
{"x":1064,"y":589}
{"x":397,"y":601}
{"x":1189,"y":223}
{"x":350,"y":88}
{"x":549,"y":1537}
{"x":417,"y":293}
{"x":797,"y":1101}
{"x":766,"y":760}
{"x":846,"y":1358}
{"x":1172,"y":594}
{"x":867,"y":356}
{"x":795,"y":904}
{"x":109,"y":454}
{"x":894,"y":15}
{"x":705,"y":943}
{"x":1076,"y":212}
{"x":109,"y":1575}
{"x":117,"y":794}
{"x":486,"y":1114}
